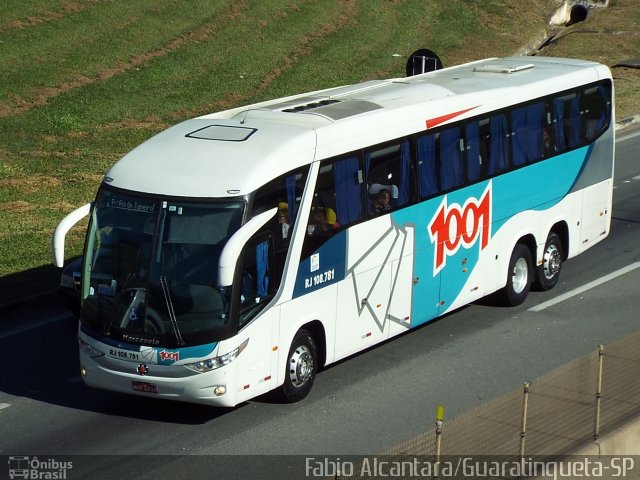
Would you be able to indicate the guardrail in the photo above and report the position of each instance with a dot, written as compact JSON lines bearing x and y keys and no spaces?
{"x":548,"y":418}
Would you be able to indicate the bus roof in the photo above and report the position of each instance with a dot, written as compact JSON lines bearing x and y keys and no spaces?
{"x":233,"y":152}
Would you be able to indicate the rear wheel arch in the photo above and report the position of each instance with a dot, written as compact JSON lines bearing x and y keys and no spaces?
{"x":562,"y":230}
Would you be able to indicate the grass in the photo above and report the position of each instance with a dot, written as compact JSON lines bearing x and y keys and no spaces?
{"x":82,"y":83}
{"x":608,"y":36}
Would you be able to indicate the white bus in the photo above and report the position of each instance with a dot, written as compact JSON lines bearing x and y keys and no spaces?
{"x":241,"y":251}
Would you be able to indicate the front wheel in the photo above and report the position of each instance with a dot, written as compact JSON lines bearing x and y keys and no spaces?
{"x":302,"y":366}
{"x":519,"y":276}
{"x":548,"y":273}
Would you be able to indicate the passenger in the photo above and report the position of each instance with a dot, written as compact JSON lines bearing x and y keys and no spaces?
{"x":332,"y":218}
{"x":547,"y":143}
{"x":283,"y":218}
{"x":318,"y":225}
{"x":382,"y":202}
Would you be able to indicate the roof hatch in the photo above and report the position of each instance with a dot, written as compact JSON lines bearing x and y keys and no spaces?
{"x":225,"y":133}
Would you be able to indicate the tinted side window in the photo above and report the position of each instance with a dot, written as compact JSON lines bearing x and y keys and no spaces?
{"x":527,"y":126}
{"x":285,"y":193}
{"x":440,"y":159}
{"x":258,"y":281}
{"x":428,"y":183}
{"x":337,"y":201}
{"x":596,"y":107}
{"x":498,"y":144}
{"x":387,"y":173}
{"x":475,"y":151}
{"x":450,"y":158}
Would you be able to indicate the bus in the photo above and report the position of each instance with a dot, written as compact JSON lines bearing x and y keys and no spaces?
{"x":239,"y":252}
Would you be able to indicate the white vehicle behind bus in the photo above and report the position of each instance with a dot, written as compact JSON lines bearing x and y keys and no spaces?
{"x":239,"y":252}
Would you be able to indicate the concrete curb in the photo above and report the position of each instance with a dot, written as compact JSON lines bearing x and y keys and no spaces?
{"x":627,"y":122}
{"x":624,"y":440}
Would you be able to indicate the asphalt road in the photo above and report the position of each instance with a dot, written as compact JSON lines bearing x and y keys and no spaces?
{"x":364,"y":405}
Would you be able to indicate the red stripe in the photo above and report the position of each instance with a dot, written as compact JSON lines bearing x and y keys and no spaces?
{"x":434,"y":122}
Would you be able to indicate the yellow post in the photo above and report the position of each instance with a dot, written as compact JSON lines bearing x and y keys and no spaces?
{"x":439,"y":419}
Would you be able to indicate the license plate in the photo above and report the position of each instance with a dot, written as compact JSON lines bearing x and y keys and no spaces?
{"x":122,"y":354}
{"x":144,"y":387}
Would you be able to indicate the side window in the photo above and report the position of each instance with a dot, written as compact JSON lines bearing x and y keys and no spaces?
{"x":498,"y":145}
{"x":474,"y":147}
{"x":596,"y":107}
{"x":256,"y":280}
{"x":387,"y":177}
{"x":428,"y":184}
{"x":450,"y":149}
{"x":557,"y":143}
{"x":285,"y":193}
{"x":567,"y":108}
{"x":447,"y":160}
{"x":578,"y":118}
{"x":527,"y":127}
{"x":337,"y":201}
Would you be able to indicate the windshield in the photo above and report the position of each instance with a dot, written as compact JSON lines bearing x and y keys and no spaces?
{"x":150,"y":269}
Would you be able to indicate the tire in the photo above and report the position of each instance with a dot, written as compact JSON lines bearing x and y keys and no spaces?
{"x":548,"y":273}
{"x":301,"y":369}
{"x":519,"y":276}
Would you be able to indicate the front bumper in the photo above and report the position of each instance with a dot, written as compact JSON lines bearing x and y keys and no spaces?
{"x":170,"y":382}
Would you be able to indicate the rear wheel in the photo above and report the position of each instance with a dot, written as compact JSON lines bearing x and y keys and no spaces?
{"x":548,"y":273}
{"x":302,"y":366}
{"x":519,"y":276}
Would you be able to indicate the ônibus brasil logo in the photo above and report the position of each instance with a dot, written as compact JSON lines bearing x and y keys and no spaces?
{"x":454,"y":226}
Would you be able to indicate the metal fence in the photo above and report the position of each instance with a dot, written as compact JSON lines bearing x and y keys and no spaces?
{"x":553,"y":416}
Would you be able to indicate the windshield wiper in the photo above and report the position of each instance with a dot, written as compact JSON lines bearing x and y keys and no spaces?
{"x":172,"y":312}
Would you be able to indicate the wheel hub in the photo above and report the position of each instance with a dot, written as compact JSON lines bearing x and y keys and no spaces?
{"x":551,"y":261}
{"x":520,"y":275}
{"x":301,"y":366}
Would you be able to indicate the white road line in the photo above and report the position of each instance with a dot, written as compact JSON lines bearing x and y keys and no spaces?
{"x":31,"y":326}
{"x":637,"y":177}
{"x":4,"y":405}
{"x":584,"y":288}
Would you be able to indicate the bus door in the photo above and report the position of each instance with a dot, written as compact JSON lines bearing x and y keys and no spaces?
{"x":364,"y":296}
{"x":402,"y":281}
{"x":426,"y":284}
{"x":460,"y":230}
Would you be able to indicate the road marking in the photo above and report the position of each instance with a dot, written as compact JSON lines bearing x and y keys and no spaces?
{"x":584,"y":288}
{"x":637,"y":177}
{"x":31,"y":326}
{"x":4,"y":405}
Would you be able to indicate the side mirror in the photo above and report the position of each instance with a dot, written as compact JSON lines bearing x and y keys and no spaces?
{"x":231,"y":251}
{"x":59,"y":234}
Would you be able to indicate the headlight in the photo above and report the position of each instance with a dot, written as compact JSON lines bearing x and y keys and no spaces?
{"x":88,"y":349}
{"x":217,"y":362}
